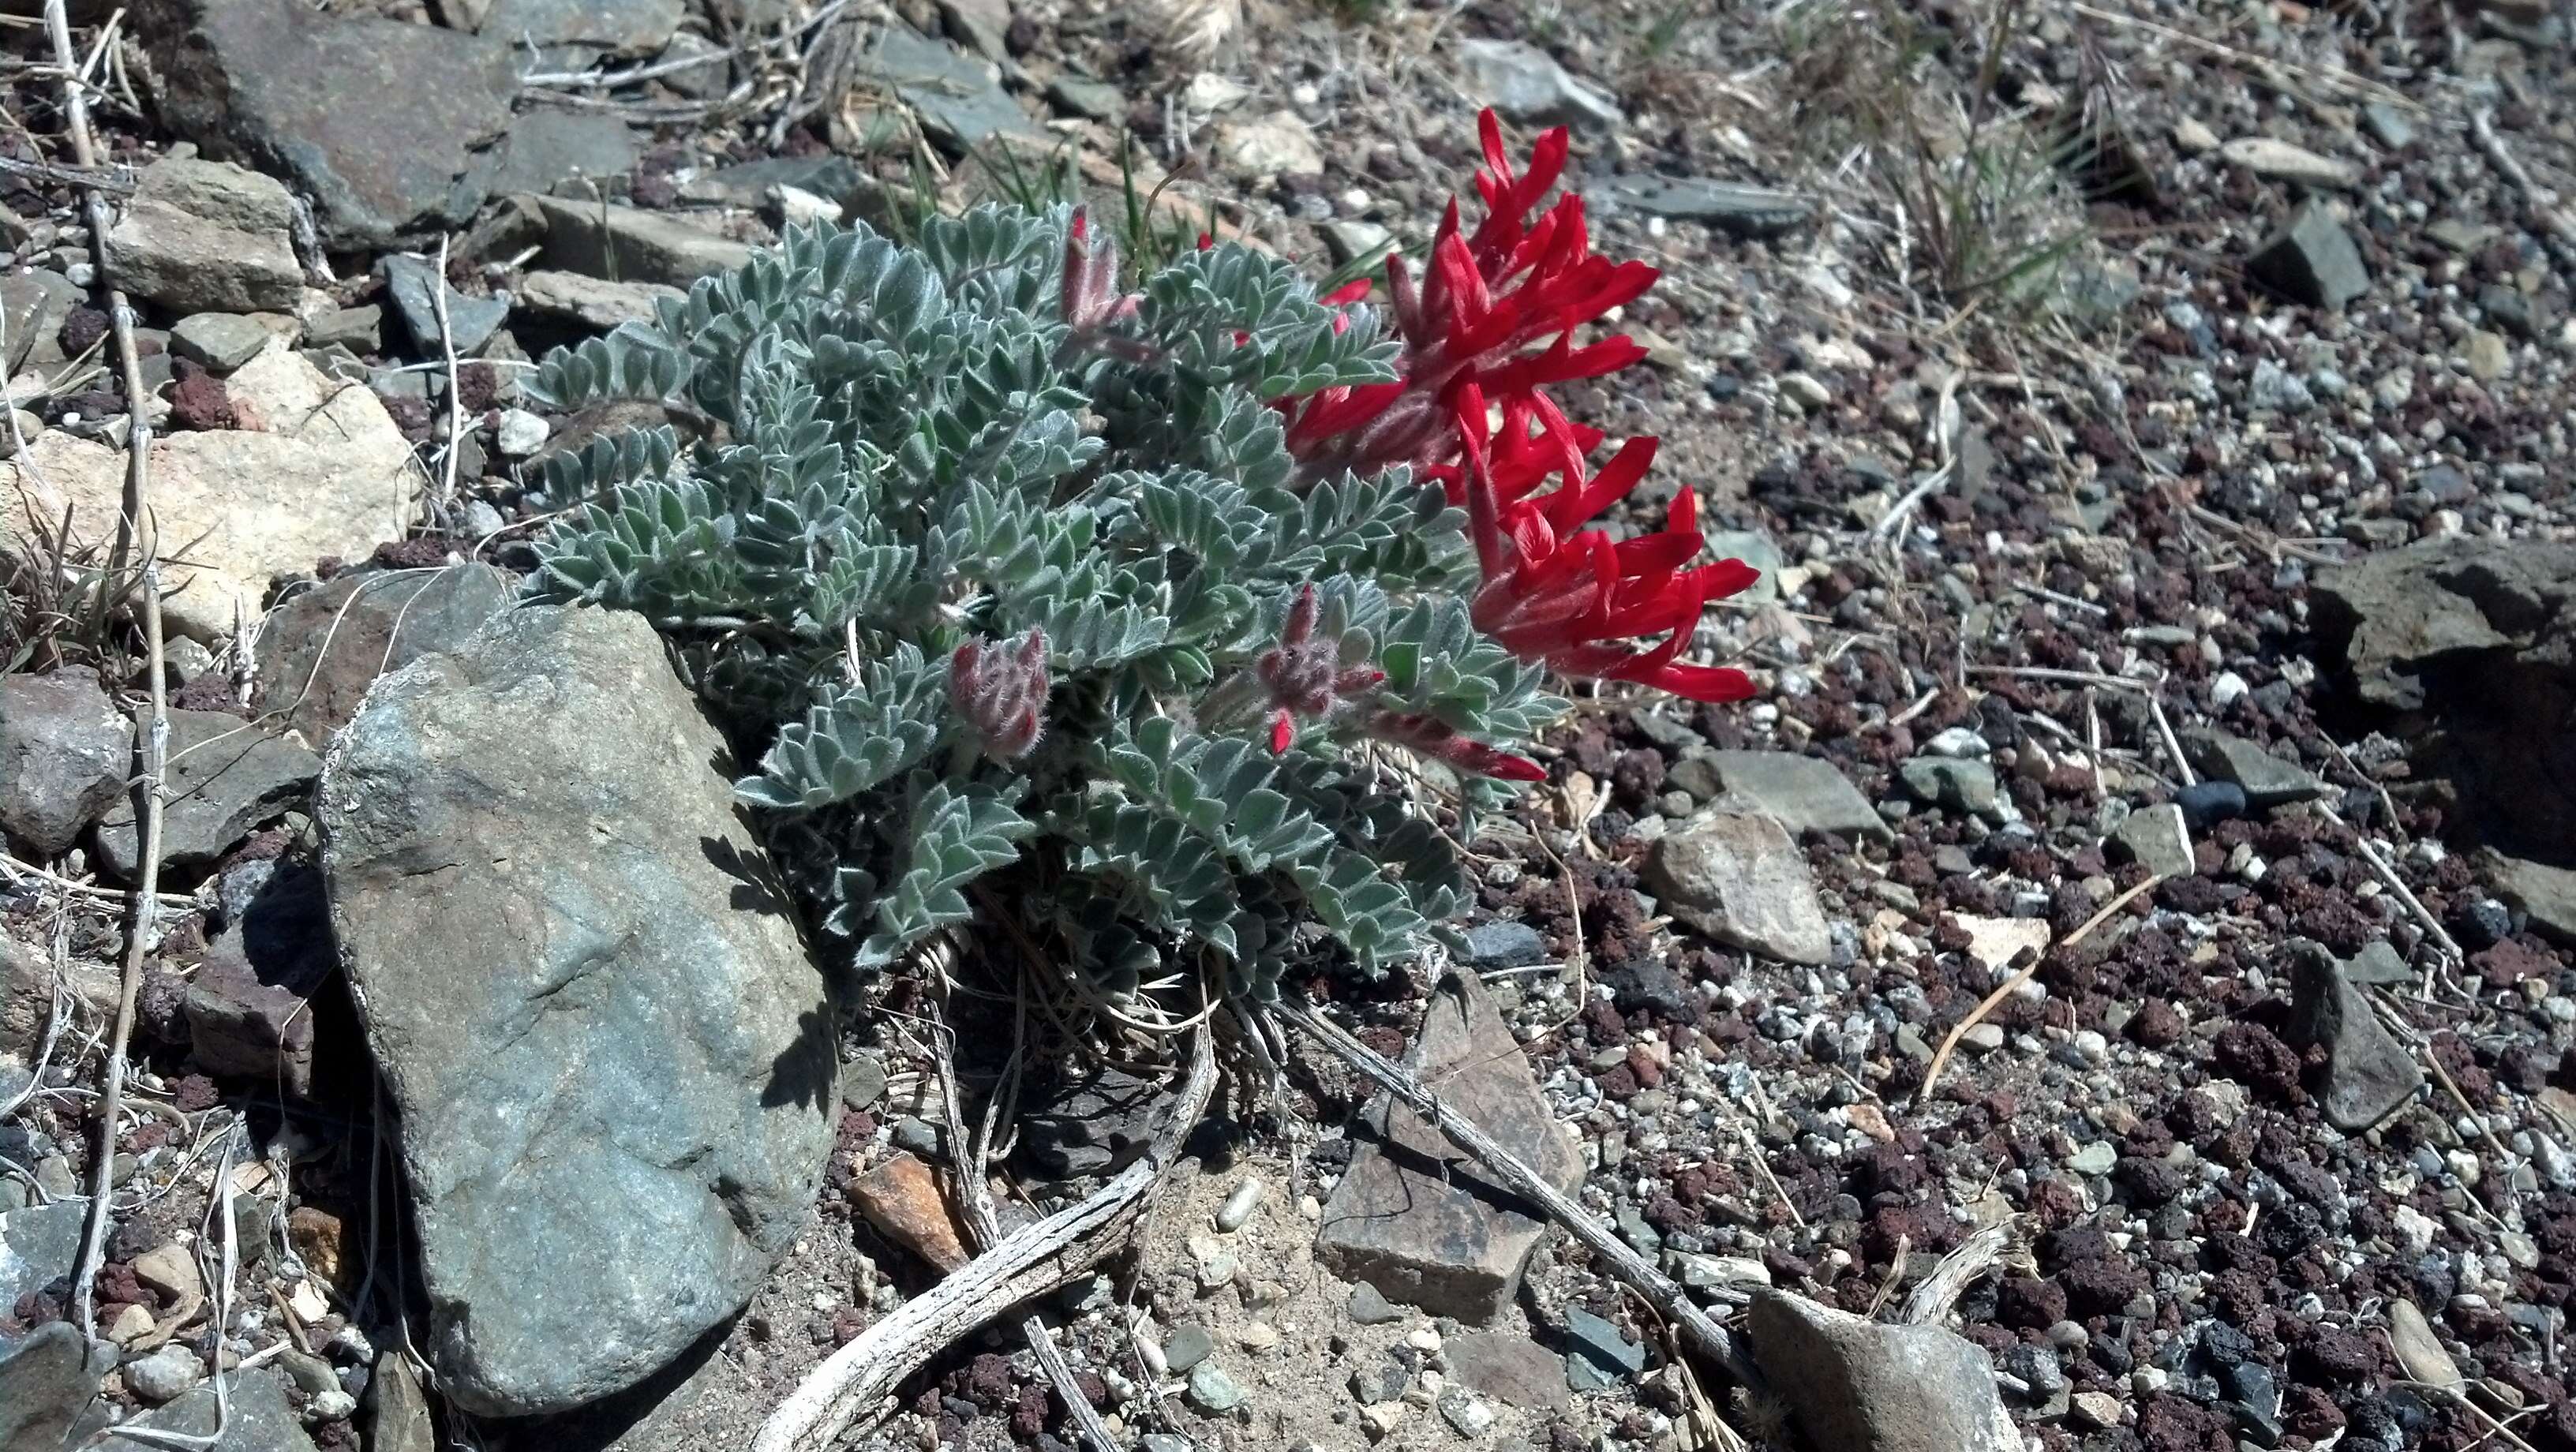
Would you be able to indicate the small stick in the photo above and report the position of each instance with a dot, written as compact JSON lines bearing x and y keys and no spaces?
{"x":2539,"y":206}
{"x":133,"y":530}
{"x":1641,"y":1276}
{"x":1753,"y":1147}
{"x":1939,"y":1291}
{"x":455,"y":391}
{"x":2388,"y":875}
{"x":1030,"y":1261}
{"x":2164,"y":728}
{"x":2003,"y":990}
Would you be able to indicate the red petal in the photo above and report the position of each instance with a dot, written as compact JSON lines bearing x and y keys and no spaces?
{"x":1283,"y":730}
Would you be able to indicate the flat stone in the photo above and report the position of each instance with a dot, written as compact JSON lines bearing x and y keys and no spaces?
{"x":960,"y":105}
{"x":1468,"y":1415}
{"x":398,"y":1417}
{"x":65,"y":749}
{"x":573,"y":935}
{"x":1084,"y":97}
{"x":1599,"y":1355}
{"x":1214,"y":1392}
{"x":596,"y":27}
{"x":1857,"y":1386}
{"x":250,"y":1003}
{"x":2387,"y":125}
{"x":906,"y":1201}
{"x":593,"y":302}
{"x":2155,"y":838}
{"x":2377,"y":965}
{"x":2205,"y":804}
{"x":2312,"y":260}
{"x":225,"y":777}
{"x":415,"y":286}
{"x":633,"y":245}
{"x":2281,"y":161}
{"x":33,"y":304}
{"x":47,"y":1379}
{"x":1735,"y":208}
{"x":548,"y":148}
{"x":2267,"y":780}
{"x":1186,"y":1347}
{"x":1278,"y":144}
{"x":1807,"y":794}
{"x":360,"y":329}
{"x":1949,"y":783}
{"x":1417,"y":1219}
{"x":1509,"y":1367}
{"x":318,"y":469}
{"x":1995,"y":944}
{"x":320,"y":651}
{"x":2368,"y":1075}
{"x":1370,"y":1307}
{"x":2545,"y":894}
{"x":254,"y":1416}
{"x":305,"y":96}
{"x":206,"y":236}
{"x":2420,"y":1352}
{"x":1524,"y":83}
{"x":38,"y":1244}
{"x":1740,"y":879}
{"x":1505,"y":944}
{"x":220,"y":341}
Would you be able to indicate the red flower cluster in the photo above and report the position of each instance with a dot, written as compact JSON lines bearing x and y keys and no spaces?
{"x":1494,"y":319}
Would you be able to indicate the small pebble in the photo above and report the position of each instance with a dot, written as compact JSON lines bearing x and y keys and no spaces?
{"x":1238,"y":1207}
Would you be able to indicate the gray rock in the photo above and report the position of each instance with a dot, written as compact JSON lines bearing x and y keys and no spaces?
{"x":225,"y":777}
{"x":1734,"y":208}
{"x":358,"y":329}
{"x":751,"y":183}
{"x":614,"y":979}
{"x":47,"y":1379}
{"x":2368,"y":1074}
{"x":1370,"y":1307}
{"x":1598,"y":1355}
{"x":2387,"y":125}
{"x":1413,"y":1217}
{"x":34,"y":304}
{"x":38,"y":1244}
{"x":250,"y":1002}
{"x":2155,"y":838}
{"x":594,"y":27}
{"x":414,"y":285}
{"x":1506,"y":944}
{"x":64,"y":752}
{"x":206,"y":236}
{"x":1508,"y":1366}
{"x":1949,"y":783}
{"x":2267,"y":780}
{"x":1379,"y":1382}
{"x":1754,"y":548}
{"x":307,"y":97}
{"x":2312,"y":260}
{"x":960,"y":105}
{"x":1214,"y":1392}
{"x":1808,"y":794}
{"x":320,"y":651}
{"x":548,"y":147}
{"x":1350,"y":241}
{"x":2377,"y":965}
{"x":1186,"y":1347}
{"x":593,"y":302}
{"x":398,"y":1417}
{"x":254,"y":1416}
{"x":2420,"y":1352}
{"x":1467,"y":1414}
{"x":220,"y":341}
{"x":863,"y":1081}
{"x":166,"y":1374}
{"x":1084,"y":97}
{"x":1857,"y":1386}
{"x":1526,"y":84}
{"x":2544,"y":894}
{"x":632,"y":245}
{"x":1742,"y":881}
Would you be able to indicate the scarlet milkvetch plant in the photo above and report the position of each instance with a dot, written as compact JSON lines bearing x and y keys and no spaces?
{"x":998,"y":563}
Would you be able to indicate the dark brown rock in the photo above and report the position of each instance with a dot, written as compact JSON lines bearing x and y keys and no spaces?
{"x":1414,"y":1216}
{"x":319,"y":653}
{"x":225,"y":777}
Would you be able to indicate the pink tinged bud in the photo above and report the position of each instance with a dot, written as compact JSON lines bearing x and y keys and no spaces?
{"x":1001,"y":693}
{"x":1090,"y":297}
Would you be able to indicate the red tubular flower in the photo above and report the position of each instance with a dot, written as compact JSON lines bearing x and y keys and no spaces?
{"x":1001,"y":693}
{"x":1556,"y":592}
{"x":1473,"y":316}
{"x":1434,"y":738}
{"x":1303,"y":673}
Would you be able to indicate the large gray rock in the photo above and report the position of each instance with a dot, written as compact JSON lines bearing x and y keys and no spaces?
{"x":206,"y":236}
{"x":37,"y":1244}
{"x":547,"y":147}
{"x":415,"y":286}
{"x":320,"y":651}
{"x":634,"y":245}
{"x":611,"y":1057}
{"x":1413,"y":1216}
{"x":224,"y":777}
{"x":1808,"y":794}
{"x":250,"y":1003}
{"x":253,"y":1415}
{"x":46,"y":1379}
{"x":2368,"y":1075}
{"x":1857,"y":1386}
{"x":2312,"y":260}
{"x":1742,"y":881}
{"x":1525,"y":83}
{"x":960,"y":105}
{"x":2267,"y":780}
{"x":2544,"y":894}
{"x":378,"y":121}
{"x":64,"y":751}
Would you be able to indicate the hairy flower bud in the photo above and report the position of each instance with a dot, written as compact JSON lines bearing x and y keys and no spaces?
{"x":1001,"y":692}
{"x":1304,"y":673}
{"x":1091,"y":298}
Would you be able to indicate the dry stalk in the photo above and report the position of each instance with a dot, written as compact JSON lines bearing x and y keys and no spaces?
{"x":1032,"y":1261}
{"x":133,"y":531}
{"x":1640,"y":1275}
{"x":2003,"y":990}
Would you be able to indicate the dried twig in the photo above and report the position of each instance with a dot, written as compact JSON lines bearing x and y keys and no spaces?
{"x":1031,"y":1261}
{"x":2557,"y":230}
{"x":455,"y":389}
{"x":2003,"y":990}
{"x":1635,"y":1270}
{"x":1936,"y":1293}
{"x":2388,"y":875}
{"x":134,"y":530}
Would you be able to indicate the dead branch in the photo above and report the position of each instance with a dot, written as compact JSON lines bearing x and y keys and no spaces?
{"x":1032,"y":1261}
{"x":1938,"y":1292}
{"x":1640,"y":1275}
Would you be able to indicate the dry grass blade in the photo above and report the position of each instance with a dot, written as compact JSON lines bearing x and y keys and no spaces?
{"x":2004,"y":990}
